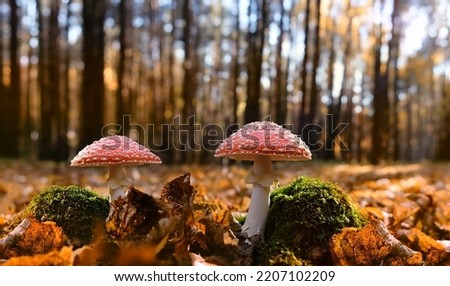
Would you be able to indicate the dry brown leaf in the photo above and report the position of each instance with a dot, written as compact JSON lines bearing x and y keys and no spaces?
{"x":178,"y":195}
{"x":380,"y":190}
{"x":404,"y":209}
{"x":433,"y":252}
{"x":32,"y":237}
{"x":371,"y":245}
{"x":442,"y":215}
{"x":3,"y":221}
{"x":178,"y":199}
{"x":367,"y":211}
{"x":133,"y":215}
{"x":141,"y":254}
{"x":102,"y":252}
{"x":62,"y":257}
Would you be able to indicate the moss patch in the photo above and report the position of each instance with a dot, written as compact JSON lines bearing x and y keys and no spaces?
{"x":302,"y":218}
{"x":76,"y":210}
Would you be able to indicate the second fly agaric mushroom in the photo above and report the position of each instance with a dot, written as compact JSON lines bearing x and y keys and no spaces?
{"x":262,"y":142}
{"x":115,"y":152}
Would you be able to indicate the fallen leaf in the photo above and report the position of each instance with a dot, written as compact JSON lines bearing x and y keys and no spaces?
{"x":371,"y":245}
{"x":62,"y":257}
{"x":433,"y":252}
{"x":404,"y":209}
{"x":442,"y":215}
{"x":133,"y":215}
{"x":102,"y":252}
{"x":32,"y":237}
{"x":178,"y":195}
{"x":141,"y":254}
{"x":178,"y":199}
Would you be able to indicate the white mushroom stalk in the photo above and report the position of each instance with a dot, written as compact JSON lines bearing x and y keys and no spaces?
{"x":117,"y":182}
{"x":260,"y":175}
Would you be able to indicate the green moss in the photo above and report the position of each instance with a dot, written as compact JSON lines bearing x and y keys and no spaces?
{"x":76,"y":210}
{"x":240,"y":218}
{"x":302,"y":218}
{"x":285,"y":257}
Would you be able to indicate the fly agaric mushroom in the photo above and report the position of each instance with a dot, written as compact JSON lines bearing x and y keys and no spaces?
{"x":115,"y":152}
{"x":262,"y":142}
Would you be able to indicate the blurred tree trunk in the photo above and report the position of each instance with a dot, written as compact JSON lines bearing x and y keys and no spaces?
{"x":52,"y":139}
{"x":280,"y":90}
{"x":92,"y":91}
{"x":218,"y":113}
{"x":302,"y":114}
{"x":360,"y":129}
{"x":171,"y":74}
{"x":443,"y":151}
{"x":65,"y":97}
{"x":328,"y":151}
{"x":443,"y":148}
{"x":123,"y":97}
{"x":13,"y":112}
{"x":335,"y":108}
{"x":156,"y":115}
{"x":43,"y":80}
{"x":29,"y":125}
{"x":380,"y":128}
{"x":255,"y":41}
{"x":188,"y":92}
{"x":310,"y":128}
{"x":11,"y":98}
{"x":313,"y":103}
{"x":234,"y":77}
{"x":166,"y":101}
{"x":301,"y":122}
{"x":3,"y":91}
{"x":59,"y":99}
{"x":349,"y":134}
{"x":396,"y":122}
{"x":57,"y":131}
{"x":392,"y":75}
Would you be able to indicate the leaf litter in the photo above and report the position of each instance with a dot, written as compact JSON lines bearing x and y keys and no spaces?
{"x":190,"y":219}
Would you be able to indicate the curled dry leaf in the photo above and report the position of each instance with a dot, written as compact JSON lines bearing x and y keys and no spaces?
{"x":32,"y":237}
{"x":178,"y":195}
{"x":433,"y":252}
{"x":221,"y":242}
{"x":371,"y":245}
{"x":133,"y":215}
{"x":178,"y":198}
{"x":203,"y":227}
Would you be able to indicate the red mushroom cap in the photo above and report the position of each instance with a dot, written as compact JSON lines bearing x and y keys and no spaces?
{"x":114,"y":150}
{"x":264,"y":138}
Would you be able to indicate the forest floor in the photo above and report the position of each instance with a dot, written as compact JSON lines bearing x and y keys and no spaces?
{"x":402,"y":196}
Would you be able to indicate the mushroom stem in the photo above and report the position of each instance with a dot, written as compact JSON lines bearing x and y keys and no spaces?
{"x":257,"y":213}
{"x":261,"y":176}
{"x":117,"y":182}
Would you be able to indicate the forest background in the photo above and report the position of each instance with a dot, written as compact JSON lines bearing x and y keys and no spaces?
{"x":359,"y":80}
